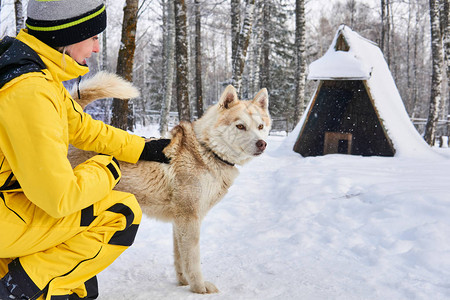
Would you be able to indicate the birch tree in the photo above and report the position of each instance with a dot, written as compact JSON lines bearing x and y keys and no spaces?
{"x":169,"y":34}
{"x":415,"y":66}
{"x":104,"y":50}
{"x":388,"y":33}
{"x":383,"y":24}
{"x":436,"y":79}
{"x":181,"y":59}
{"x":105,"y":104}
{"x":255,"y":50}
{"x":408,"y":49}
{"x":242,"y":42}
{"x":351,"y":6}
{"x":18,"y":8}
{"x":386,"y":29}
{"x":300,"y":60}
{"x":265,"y":45}
{"x":120,"y":110}
{"x":198,"y":60}
{"x":235,"y":26}
{"x":446,"y":40}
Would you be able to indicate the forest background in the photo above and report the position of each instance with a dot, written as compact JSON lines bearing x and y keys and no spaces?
{"x":182,"y":54}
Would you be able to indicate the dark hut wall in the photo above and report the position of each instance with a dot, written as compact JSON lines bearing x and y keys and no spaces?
{"x":343,"y":106}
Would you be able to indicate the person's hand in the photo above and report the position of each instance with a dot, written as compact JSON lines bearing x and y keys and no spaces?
{"x":153,"y":151}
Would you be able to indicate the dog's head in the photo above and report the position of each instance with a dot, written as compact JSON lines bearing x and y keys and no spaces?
{"x":235,"y":129}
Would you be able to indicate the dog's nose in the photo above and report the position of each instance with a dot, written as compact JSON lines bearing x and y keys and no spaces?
{"x":261,"y":144}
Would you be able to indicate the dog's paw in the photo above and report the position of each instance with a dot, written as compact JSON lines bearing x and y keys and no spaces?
{"x":206,"y":288}
{"x":211,"y":288}
{"x":181,"y":279}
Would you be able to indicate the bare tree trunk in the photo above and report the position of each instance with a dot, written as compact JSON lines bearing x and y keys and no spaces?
{"x":393,"y":47}
{"x":446,"y":39}
{"x":181,"y":55}
{"x":235,"y":26}
{"x":104,"y":51}
{"x":163,"y":120}
{"x":415,"y":106}
{"x":198,"y":60}
{"x":385,"y":29}
{"x":436,"y":79}
{"x":351,"y":5}
{"x":383,"y":25}
{"x":106,"y":103}
{"x":408,"y":48}
{"x":255,"y":76}
{"x":168,"y":68}
{"x":225,"y":41}
{"x":241,"y":51}
{"x":388,"y":34}
{"x":19,"y":15}
{"x":265,"y":45}
{"x":125,"y":59}
{"x":300,"y":60}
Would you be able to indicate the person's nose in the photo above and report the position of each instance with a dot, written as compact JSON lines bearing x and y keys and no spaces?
{"x":96,"y":47}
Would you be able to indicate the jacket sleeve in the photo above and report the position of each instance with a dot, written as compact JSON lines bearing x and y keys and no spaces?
{"x":33,"y":138}
{"x":93,"y":135}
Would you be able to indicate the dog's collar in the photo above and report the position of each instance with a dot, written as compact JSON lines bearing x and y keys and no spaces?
{"x":217,"y":156}
{"x":221,"y":159}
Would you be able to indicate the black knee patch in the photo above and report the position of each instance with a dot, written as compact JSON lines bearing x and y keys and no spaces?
{"x":91,"y":289}
{"x":124,"y":237}
{"x":87,"y":216}
{"x":22,"y":283}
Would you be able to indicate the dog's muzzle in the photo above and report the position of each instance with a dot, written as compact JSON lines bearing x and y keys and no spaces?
{"x":260,"y":146}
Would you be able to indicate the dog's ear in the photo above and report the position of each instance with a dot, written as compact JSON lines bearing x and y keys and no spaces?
{"x":262,"y":99}
{"x":229,"y":97}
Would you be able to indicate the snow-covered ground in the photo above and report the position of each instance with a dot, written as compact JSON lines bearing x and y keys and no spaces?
{"x":329,"y":227}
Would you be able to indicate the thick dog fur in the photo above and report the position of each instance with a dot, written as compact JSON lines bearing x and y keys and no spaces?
{"x":201,"y":170}
{"x":103,"y":85}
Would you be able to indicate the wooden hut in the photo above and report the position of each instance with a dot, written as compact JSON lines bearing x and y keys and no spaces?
{"x":356,"y":108}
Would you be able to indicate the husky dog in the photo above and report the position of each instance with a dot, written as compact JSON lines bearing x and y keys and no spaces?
{"x":203,"y":155}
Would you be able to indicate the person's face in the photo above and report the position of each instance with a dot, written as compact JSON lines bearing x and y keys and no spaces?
{"x":82,"y":50}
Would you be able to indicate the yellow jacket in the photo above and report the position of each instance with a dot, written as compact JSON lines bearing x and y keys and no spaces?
{"x":38,"y":120}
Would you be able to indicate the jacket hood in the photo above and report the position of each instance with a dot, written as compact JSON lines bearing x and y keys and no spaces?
{"x":17,"y":58}
{"x":25,"y":54}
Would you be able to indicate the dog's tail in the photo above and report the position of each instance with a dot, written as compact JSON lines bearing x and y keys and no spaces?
{"x":103,"y":85}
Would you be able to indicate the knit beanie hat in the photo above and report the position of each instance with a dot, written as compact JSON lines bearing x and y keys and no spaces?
{"x":64,"y":22}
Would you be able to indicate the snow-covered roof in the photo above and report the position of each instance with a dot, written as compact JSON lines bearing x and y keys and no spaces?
{"x":365,"y":61}
{"x":339,"y":65}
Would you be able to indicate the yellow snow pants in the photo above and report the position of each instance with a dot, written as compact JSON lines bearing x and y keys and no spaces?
{"x":52,"y":258}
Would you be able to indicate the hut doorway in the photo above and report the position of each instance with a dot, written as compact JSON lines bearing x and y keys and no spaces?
{"x":342,"y":119}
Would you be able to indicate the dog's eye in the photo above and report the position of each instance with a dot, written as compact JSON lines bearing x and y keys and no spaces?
{"x":261,"y":127}
{"x":240,"y":127}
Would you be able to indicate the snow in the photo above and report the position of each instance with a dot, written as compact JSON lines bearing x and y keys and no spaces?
{"x":328,"y":227}
{"x":365,"y":60}
{"x":339,"y":64}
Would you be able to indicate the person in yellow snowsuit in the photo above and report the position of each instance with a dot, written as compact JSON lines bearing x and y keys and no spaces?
{"x":59,"y":227}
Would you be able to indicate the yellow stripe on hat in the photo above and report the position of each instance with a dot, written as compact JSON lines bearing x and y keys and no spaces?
{"x":64,"y":26}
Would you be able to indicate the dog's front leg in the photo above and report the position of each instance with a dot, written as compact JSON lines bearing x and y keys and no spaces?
{"x":177,"y":258}
{"x":187,"y":252}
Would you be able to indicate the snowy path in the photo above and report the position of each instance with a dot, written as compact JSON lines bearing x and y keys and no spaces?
{"x":332,"y":227}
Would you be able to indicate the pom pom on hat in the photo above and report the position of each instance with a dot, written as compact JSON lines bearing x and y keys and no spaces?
{"x":64,"y":22}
